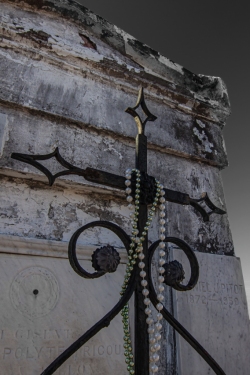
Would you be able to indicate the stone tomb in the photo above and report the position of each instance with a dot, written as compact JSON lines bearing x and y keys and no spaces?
{"x":66,"y":77}
{"x":215,"y":313}
{"x":46,"y":306}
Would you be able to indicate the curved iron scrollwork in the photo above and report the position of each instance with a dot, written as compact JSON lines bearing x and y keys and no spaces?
{"x":105,"y":321}
{"x":191,"y":284}
{"x":72,"y":246}
{"x":106,"y":260}
{"x":194,"y":265}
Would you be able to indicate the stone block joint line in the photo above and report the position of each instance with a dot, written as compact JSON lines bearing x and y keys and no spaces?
{"x":145,"y":190}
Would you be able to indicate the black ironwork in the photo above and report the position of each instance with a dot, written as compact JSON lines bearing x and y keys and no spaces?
{"x":147,"y":187}
{"x":174,"y":273}
{"x":106,"y":259}
{"x":115,"y":181}
{"x":132,"y":111}
{"x":192,"y":282}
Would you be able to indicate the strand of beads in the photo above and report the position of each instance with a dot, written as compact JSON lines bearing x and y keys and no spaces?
{"x":132,"y":256}
{"x":156,"y":336}
{"x":136,"y":250}
{"x":155,"y":327}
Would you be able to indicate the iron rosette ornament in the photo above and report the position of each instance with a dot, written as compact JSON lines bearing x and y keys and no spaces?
{"x":106,"y":259}
{"x":174,"y":273}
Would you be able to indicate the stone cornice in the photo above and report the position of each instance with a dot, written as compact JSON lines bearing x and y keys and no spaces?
{"x":204,"y":94}
{"x":46,"y":248}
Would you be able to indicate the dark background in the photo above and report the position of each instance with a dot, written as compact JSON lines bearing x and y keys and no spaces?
{"x":211,"y":38}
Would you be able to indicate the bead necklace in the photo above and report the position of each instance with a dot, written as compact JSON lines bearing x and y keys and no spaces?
{"x":136,"y":251}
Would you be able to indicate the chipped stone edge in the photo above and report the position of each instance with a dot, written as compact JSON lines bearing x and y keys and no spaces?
{"x":47,"y":248}
{"x":64,"y":182}
{"x":161,"y":89}
{"x":207,"y":89}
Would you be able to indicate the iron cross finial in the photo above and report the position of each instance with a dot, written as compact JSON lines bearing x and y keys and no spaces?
{"x":134,"y":282}
{"x":132,"y":111}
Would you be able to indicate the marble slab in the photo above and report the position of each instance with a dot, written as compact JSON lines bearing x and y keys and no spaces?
{"x":215,"y":313}
{"x":45,"y":306}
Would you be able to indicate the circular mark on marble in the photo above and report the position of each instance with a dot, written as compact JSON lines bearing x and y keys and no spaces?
{"x":34,"y":292}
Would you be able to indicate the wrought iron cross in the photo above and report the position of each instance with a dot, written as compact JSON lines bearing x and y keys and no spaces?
{"x":141,"y":343}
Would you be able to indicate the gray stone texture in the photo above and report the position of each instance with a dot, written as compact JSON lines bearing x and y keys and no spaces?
{"x":44,"y":308}
{"x":66,"y":78}
{"x":216,"y":313}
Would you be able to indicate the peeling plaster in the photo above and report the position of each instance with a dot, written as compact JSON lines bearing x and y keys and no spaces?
{"x":210,"y":90}
{"x":64,"y":41}
{"x":59,"y":88}
{"x":206,"y":145}
{"x":111,"y":148}
{"x":201,"y":124}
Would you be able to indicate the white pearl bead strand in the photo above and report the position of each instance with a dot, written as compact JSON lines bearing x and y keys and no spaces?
{"x":153,"y":327}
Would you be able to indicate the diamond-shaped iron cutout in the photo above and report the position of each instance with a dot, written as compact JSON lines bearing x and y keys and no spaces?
{"x":33,"y":160}
{"x":203,"y":203}
{"x":143,"y":108}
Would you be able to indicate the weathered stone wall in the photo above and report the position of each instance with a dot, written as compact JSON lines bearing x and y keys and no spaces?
{"x":66,"y":77}
{"x":66,"y":84}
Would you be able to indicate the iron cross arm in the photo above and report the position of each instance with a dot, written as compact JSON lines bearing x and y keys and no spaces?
{"x":115,"y":181}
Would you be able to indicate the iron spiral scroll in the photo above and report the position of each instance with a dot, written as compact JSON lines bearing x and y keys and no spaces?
{"x":105,"y":321}
{"x":173,"y":271}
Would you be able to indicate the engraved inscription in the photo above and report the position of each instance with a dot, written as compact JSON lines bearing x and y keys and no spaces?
{"x":50,"y":352}
{"x":28,"y":352}
{"x":46,"y":307}
{"x":34,"y":292}
{"x":207,"y":292}
{"x":205,"y":299}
